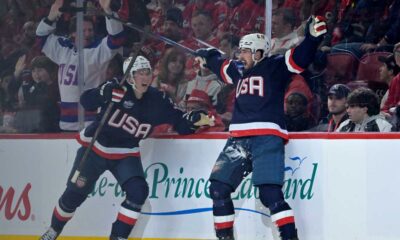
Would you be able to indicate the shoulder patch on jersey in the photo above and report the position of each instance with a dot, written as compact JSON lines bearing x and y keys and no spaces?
{"x":65,"y":42}
{"x":128,"y":104}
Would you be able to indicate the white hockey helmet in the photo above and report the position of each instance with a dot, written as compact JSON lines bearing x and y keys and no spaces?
{"x":255,"y":42}
{"x":140,"y":63}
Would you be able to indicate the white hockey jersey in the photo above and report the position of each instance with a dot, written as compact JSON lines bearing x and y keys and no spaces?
{"x":62,"y":51}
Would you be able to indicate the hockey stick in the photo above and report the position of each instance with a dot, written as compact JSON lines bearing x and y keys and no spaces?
{"x":150,"y":34}
{"x":154,"y":35}
{"x":208,"y":45}
{"x":107,"y":111}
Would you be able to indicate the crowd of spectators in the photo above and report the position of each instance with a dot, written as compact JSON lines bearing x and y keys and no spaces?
{"x":364,"y":33}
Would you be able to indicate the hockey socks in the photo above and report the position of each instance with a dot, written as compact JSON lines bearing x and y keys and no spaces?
{"x":271,"y":196}
{"x":283,"y":217}
{"x":65,"y":209}
{"x":126,"y":219}
{"x":61,"y":215}
{"x":223,"y":211}
{"x":224,"y":216}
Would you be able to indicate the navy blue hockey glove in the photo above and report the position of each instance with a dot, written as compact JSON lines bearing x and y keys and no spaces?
{"x":239,"y":66}
{"x":198,"y":118}
{"x":203,"y":54}
{"x":316,"y":27}
{"x":111,"y":91}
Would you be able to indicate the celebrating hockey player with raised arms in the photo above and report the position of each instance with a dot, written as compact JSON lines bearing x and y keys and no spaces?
{"x":257,"y":129}
{"x":137,"y":108}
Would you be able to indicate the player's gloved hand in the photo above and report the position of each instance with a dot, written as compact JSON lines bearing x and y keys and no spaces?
{"x":199,"y":118}
{"x":316,"y":27}
{"x":239,"y":66}
{"x":111,"y":91}
{"x":203,"y":54}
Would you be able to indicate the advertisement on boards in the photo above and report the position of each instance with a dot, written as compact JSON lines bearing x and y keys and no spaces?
{"x":328,"y":189}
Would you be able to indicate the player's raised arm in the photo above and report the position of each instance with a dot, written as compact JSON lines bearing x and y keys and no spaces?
{"x":45,"y":30}
{"x":105,"y":4}
{"x":228,"y":71}
{"x":55,"y":12}
{"x":116,"y":35}
{"x":298,"y":58}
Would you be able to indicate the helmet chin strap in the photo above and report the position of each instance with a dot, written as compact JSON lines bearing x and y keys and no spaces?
{"x":253,"y":56}
{"x":131,"y":81}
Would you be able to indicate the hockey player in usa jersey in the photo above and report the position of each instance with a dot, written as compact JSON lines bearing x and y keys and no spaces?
{"x":137,"y":108}
{"x":97,"y":54}
{"x":257,"y":129}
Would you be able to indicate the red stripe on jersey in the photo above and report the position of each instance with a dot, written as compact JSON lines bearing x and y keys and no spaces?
{"x":116,"y":98}
{"x":59,"y":217}
{"x":109,"y":156}
{"x":284,"y":221}
{"x":292,"y":63}
{"x":118,"y":91}
{"x":223,"y":225}
{"x":321,"y":28}
{"x":125,"y":219}
{"x":257,"y":132}
{"x":74,"y":112}
{"x":226,"y":62}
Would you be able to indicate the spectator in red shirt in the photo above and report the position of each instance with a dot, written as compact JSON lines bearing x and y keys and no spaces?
{"x":199,"y":100}
{"x":229,"y":45}
{"x":256,"y":20}
{"x":387,"y":72}
{"x":284,"y":35}
{"x":191,"y":9}
{"x":202,"y":27}
{"x":239,"y":13}
{"x":157,"y":15}
{"x":393,"y":99}
{"x":172,"y":29}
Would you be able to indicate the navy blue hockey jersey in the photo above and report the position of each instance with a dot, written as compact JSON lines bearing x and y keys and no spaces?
{"x":130,"y":121}
{"x":260,"y":91}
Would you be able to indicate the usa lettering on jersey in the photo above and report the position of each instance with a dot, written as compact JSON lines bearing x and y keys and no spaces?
{"x":129,"y":124}
{"x":253,"y":85}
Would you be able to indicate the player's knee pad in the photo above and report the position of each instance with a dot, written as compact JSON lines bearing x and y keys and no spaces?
{"x":137,"y":190}
{"x":71,"y":200}
{"x":220,"y":190}
{"x":270,"y":194}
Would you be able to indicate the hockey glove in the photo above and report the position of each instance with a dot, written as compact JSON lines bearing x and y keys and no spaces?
{"x":111,"y":91}
{"x":198,"y":118}
{"x":203,"y":54}
{"x":316,"y":27}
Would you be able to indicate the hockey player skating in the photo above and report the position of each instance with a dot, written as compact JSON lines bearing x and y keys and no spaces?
{"x":258,"y":131}
{"x":138,"y":107}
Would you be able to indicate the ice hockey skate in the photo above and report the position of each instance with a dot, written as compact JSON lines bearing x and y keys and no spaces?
{"x":50,"y":234}
{"x":117,"y":238}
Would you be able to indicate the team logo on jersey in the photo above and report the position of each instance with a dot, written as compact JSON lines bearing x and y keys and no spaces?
{"x":128,"y":104}
{"x":81,"y":182}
